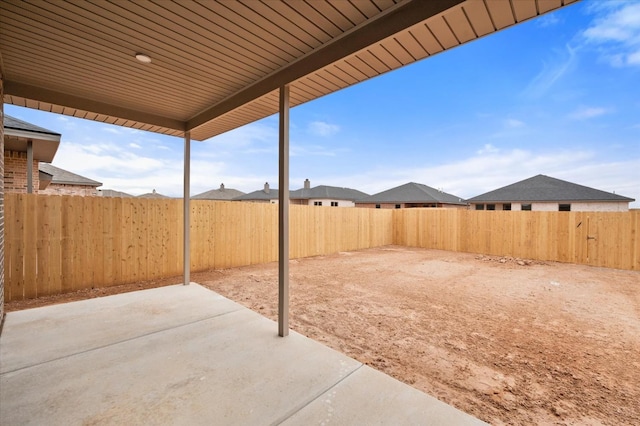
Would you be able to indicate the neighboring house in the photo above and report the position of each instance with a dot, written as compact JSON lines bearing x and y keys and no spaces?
{"x":544,"y":193}
{"x":25,"y":147}
{"x":221,"y":193}
{"x":153,"y":194}
{"x":112,"y":193}
{"x":325,"y":196}
{"x":63,"y":182}
{"x":411,"y":195}
{"x":265,"y":195}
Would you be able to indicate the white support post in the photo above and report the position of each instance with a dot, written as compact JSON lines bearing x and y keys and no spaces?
{"x":187,"y":208}
{"x":29,"y":166}
{"x":283,"y":215}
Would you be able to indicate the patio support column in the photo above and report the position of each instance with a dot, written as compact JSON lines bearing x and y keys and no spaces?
{"x":186,"y":201}
{"x":29,"y":166}
{"x":283,"y":215}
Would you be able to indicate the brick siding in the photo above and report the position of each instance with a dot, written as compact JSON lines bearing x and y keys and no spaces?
{"x":62,"y":189}
{"x":15,"y":172}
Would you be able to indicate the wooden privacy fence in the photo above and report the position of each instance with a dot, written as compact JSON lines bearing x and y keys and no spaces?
{"x":609,"y":239}
{"x":57,"y":244}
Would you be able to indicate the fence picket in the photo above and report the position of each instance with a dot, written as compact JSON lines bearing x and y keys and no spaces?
{"x":58,"y":244}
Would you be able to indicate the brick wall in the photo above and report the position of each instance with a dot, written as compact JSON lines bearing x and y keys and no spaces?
{"x":1,"y":202}
{"x":15,"y":172}
{"x":62,"y":189}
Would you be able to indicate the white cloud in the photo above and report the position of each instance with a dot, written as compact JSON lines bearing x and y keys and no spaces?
{"x":119,"y":130}
{"x":615,"y":31}
{"x":487,"y":149}
{"x":322,"y":128}
{"x":139,"y":171}
{"x":134,"y":145}
{"x":491,"y":169}
{"x":115,"y":167}
{"x":634,"y":58}
{"x":512,"y":123}
{"x":254,"y":136}
{"x":298,"y":150}
{"x":584,"y":113}
{"x":552,"y":71}
{"x":99,"y":158}
{"x":548,"y":20}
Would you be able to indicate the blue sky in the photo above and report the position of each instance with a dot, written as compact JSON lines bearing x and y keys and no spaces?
{"x":558,"y":95}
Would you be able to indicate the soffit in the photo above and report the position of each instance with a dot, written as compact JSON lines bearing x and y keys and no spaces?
{"x":44,"y":145}
{"x":217,"y":65}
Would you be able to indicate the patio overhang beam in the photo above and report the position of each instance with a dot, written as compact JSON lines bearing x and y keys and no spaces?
{"x":54,"y":97}
{"x":385,"y":25}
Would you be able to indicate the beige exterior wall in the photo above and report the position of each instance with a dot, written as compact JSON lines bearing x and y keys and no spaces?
{"x":382,"y":205}
{"x":15,"y":172}
{"x":544,"y":207}
{"x":325,"y":202}
{"x":275,"y":201}
{"x":63,"y":189}
{"x":600,"y":207}
{"x":409,"y":206}
{"x":575,"y":206}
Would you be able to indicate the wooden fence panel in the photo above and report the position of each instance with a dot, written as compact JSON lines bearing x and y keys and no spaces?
{"x":116,"y":230}
{"x":57,"y":244}
{"x":14,"y":247}
{"x":608,"y":239}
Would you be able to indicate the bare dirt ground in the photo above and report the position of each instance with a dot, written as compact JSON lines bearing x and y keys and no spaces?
{"x":510,"y":341}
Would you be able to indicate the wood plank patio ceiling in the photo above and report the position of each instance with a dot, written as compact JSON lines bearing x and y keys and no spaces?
{"x":217,"y":65}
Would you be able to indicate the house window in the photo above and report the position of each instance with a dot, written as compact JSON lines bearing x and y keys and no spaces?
{"x":491,"y":206}
{"x":506,"y":206}
{"x":334,"y":204}
{"x":479,"y":206}
{"x":397,"y":206}
{"x":317,"y":203}
{"x":377,"y":206}
{"x":526,"y":207}
{"x":564,"y":207}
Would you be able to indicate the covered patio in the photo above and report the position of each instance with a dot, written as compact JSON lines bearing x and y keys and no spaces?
{"x":196,"y":70}
{"x":186,"y":355}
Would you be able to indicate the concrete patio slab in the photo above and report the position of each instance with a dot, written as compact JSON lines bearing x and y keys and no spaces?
{"x":90,"y":324}
{"x":185,"y":355}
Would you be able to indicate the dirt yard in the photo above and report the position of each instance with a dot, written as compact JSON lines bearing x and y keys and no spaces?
{"x":510,"y":341}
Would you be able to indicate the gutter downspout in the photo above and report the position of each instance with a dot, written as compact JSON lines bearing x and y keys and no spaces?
{"x":29,"y":166}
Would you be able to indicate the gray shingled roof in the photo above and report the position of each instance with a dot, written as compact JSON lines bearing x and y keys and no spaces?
{"x":18,"y":134}
{"x":17,"y":124}
{"x":153,"y":194}
{"x":113,"y":193}
{"x":545,"y":188}
{"x":221,"y":193}
{"x":327,"y":192}
{"x":259,"y":195}
{"x":65,"y":177}
{"x":413,"y":193}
